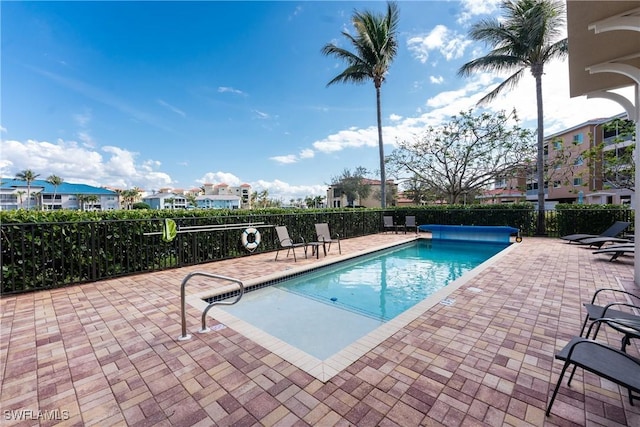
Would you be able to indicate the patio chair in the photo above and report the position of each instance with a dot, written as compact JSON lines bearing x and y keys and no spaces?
{"x":286,"y":242}
{"x":600,"y":241}
{"x":616,"y":250}
{"x":324,"y":236}
{"x":388,"y":224}
{"x":615,"y":229}
{"x":611,"y":311}
{"x":410,"y":222}
{"x":602,"y":360}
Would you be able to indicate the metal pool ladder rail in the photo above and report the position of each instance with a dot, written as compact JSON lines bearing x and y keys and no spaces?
{"x":204,"y":328}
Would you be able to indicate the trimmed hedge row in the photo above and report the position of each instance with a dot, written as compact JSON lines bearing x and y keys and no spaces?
{"x":44,"y":250}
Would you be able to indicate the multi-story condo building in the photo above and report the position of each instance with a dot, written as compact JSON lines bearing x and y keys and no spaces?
{"x":41,"y":195}
{"x":223,"y":196}
{"x":572,"y":177}
{"x":337,"y":199}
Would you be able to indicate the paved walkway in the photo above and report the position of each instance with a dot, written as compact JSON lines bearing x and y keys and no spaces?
{"x":107,"y":353}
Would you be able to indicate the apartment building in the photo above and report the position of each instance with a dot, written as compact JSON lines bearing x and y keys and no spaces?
{"x":41,"y":195}
{"x":571,"y":176}
{"x":224,"y":196}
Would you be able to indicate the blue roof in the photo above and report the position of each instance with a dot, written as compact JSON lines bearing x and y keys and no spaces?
{"x":64,"y":188}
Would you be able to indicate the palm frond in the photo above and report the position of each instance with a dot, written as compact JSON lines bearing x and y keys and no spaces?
{"x":509,"y":83}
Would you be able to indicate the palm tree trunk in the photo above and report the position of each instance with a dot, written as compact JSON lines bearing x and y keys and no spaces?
{"x":383,"y":175}
{"x":540,"y":228}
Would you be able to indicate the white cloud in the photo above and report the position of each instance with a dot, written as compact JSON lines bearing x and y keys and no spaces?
{"x":449,"y":43}
{"x":289,"y":158}
{"x":226,"y":89}
{"x":395,"y":117}
{"x":307,"y":153}
{"x":172,"y":108}
{"x":471,"y":8}
{"x":436,"y":80}
{"x":283,"y":191}
{"x":220,"y":178}
{"x":278,"y":190}
{"x":78,"y":163}
{"x":3,"y":129}
{"x":261,"y":115}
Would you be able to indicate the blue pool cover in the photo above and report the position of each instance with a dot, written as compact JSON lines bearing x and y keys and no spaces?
{"x":485,"y":233}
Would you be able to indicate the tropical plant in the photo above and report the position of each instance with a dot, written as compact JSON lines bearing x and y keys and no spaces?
{"x":527,"y":37}
{"x":20,"y":193}
{"x":376,"y":45}
{"x":56,"y":181}
{"x":29,"y":176}
{"x":352,"y":185}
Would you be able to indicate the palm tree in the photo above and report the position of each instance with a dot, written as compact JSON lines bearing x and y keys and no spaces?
{"x":54,"y":180}
{"x":20,"y":193}
{"x":375,"y":46}
{"x":29,"y":176}
{"x":527,"y":38}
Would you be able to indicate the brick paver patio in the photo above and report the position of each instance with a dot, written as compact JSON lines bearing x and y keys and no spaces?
{"x":107,"y":353}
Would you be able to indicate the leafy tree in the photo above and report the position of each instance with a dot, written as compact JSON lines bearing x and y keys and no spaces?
{"x":141,"y":205}
{"x":464,"y":155}
{"x":376,"y":45}
{"x":352,"y":184}
{"x":56,"y":181}
{"x":526,"y":38}
{"x":29,"y":176}
{"x":417,"y":190}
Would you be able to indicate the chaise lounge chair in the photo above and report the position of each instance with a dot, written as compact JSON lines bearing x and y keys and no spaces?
{"x":615,"y":229}
{"x":324,"y":236}
{"x":600,"y":241}
{"x":602,"y":360}
{"x":616,"y":250}
{"x":286,"y":242}
{"x":612,"y":311}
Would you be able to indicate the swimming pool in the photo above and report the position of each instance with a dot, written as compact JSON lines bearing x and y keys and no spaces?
{"x":323,"y":320}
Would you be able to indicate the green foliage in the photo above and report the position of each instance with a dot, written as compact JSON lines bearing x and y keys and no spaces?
{"x":352,"y":184}
{"x":51,"y":249}
{"x":591,"y":219}
{"x":140,"y":205}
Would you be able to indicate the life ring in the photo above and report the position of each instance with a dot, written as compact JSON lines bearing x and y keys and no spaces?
{"x":250,"y":239}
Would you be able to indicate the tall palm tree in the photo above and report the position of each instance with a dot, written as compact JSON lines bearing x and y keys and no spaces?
{"x":376,"y":45}
{"x":527,"y":38}
{"x":29,"y":176}
{"x":56,"y":181}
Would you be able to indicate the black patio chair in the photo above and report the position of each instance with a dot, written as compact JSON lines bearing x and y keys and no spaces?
{"x":602,"y":360}
{"x":610,"y":310}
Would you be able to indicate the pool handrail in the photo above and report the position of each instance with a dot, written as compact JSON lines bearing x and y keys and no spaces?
{"x":204,"y":327}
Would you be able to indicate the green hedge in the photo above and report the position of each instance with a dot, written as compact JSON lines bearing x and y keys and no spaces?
{"x":44,"y":250}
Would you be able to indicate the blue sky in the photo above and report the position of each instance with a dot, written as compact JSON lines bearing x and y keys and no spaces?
{"x":176,"y":94}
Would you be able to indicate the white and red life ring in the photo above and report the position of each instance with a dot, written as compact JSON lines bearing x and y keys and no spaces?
{"x":250,"y":239}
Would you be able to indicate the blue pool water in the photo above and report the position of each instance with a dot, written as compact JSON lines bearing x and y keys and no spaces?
{"x":324,"y":311}
{"x":385,"y":284}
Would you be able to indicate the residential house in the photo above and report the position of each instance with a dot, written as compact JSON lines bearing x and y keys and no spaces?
{"x":166,"y":199}
{"x":337,"y":199}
